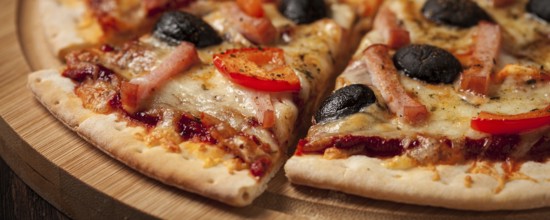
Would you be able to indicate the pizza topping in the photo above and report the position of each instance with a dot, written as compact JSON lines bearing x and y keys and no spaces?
{"x":98,"y":88}
{"x":459,"y":13}
{"x":476,"y":77}
{"x":84,"y":70}
{"x":540,"y":8}
{"x":495,"y":148}
{"x":303,"y":11}
{"x":149,"y":119}
{"x":511,"y":124}
{"x":527,"y":74}
{"x":541,"y":150}
{"x":355,"y":72}
{"x":265,"y":112}
{"x":260,"y":166}
{"x":113,"y":16}
{"x":427,"y":150}
{"x":96,"y":94}
{"x":393,"y":33}
{"x":258,"y":30}
{"x":427,"y":63}
{"x":253,"y":8}
{"x":262,"y":69}
{"x":177,"y":26}
{"x":212,"y":133}
{"x":191,"y":128}
{"x":345,"y":101}
{"x":372,"y":146}
{"x":384,"y":77}
{"x":138,"y":89}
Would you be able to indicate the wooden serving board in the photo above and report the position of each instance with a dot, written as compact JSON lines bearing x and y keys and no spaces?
{"x":85,"y":183}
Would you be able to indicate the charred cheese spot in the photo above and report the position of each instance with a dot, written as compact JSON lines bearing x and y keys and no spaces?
{"x":96,"y":96}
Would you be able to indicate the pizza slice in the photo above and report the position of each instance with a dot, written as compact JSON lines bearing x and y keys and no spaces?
{"x":440,"y":106}
{"x":207,"y":102}
{"x":73,"y":24}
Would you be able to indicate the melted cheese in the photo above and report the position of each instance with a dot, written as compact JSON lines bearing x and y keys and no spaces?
{"x":311,"y":53}
{"x":450,"y":115}
{"x":89,"y":29}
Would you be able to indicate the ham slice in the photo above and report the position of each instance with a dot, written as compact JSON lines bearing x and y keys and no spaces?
{"x":134,"y":92}
{"x":265,"y":111}
{"x":354,"y":73}
{"x":256,"y":30}
{"x":475,"y":79}
{"x":393,"y":34}
{"x":383,"y":76}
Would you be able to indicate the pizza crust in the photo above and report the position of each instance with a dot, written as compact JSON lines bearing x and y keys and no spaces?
{"x":118,"y":140}
{"x":61,"y":25}
{"x":443,"y":185}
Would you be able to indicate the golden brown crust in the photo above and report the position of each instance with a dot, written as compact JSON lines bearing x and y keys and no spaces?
{"x":409,"y":178}
{"x":450,"y":186}
{"x":120,"y":141}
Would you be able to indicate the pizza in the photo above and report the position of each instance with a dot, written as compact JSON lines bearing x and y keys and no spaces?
{"x":435,"y":102}
{"x":444,"y":103}
{"x":206,"y":96}
{"x":76,"y":24}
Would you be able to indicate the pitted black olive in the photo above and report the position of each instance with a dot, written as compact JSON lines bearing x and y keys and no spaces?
{"x":540,"y":8}
{"x":176,"y":26}
{"x":345,"y":101}
{"x":303,"y":11}
{"x":428,"y":63}
{"x":460,"y":13}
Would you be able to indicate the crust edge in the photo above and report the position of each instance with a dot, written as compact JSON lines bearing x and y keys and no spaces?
{"x":119,"y":142}
{"x":363,"y":176}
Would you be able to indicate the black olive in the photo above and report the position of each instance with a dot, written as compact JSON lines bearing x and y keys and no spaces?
{"x":303,"y":11}
{"x":345,"y":101}
{"x":460,"y":13}
{"x":428,"y":63}
{"x":541,"y":8}
{"x":176,"y":26}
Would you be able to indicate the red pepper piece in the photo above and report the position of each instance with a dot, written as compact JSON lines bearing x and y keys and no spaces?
{"x":251,"y":7}
{"x":262,"y":69}
{"x":511,"y":124}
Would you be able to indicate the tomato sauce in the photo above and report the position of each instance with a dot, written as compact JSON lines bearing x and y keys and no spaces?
{"x":189,"y":128}
{"x":492,"y":148}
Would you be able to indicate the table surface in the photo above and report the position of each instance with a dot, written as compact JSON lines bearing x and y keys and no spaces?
{"x":18,"y":201}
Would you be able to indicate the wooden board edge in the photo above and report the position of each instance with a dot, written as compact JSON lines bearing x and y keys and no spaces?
{"x":68,"y":194}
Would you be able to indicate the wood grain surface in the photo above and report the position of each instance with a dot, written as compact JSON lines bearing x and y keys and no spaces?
{"x":18,"y":201}
{"x":85,"y":183}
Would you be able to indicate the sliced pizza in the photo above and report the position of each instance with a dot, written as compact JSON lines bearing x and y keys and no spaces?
{"x":73,"y":24}
{"x":208,"y":100}
{"x":445,"y":103}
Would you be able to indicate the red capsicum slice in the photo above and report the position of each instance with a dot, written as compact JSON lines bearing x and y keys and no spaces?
{"x":511,"y":124}
{"x":261,"y":69}
{"x":251,"y":7}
